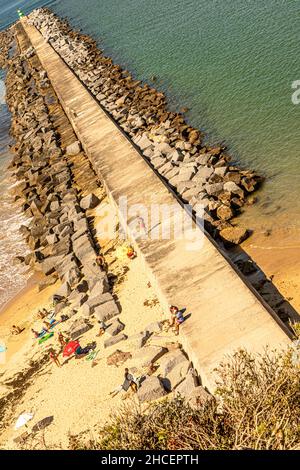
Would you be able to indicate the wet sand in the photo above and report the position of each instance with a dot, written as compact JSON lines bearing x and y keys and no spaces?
{"x":278,"y":255}
{"x":20,"y":311}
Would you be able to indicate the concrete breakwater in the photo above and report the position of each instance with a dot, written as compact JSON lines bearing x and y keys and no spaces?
{"x":200,"y":174}
{"x":201,"y":282}
{"x":59,"y":233}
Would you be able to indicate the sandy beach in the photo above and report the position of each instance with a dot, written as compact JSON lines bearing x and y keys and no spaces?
{"x":77,"y":394}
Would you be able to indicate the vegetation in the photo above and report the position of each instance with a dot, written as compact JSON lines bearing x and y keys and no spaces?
{"x":256,"y":406}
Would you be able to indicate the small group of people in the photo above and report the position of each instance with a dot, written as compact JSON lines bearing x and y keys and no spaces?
{"x":46,"y":327}
{"x":42,"y":313}
{"x":78,"y":353}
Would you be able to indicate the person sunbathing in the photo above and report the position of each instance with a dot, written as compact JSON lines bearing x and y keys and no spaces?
{"x":81,"y":352}
{"x":15,"y":330}
{"x":36,"y":333}
{"x":42,"y":314}
{"x":101,"y":262}
{"x":47,"y":325}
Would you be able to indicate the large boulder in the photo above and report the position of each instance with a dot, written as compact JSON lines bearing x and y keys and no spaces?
{"x":73,"y":149}
{"x":78,"y":328}
{"x":146,"y":356}
{"x":188,"y":384}
{"x":83,"y":248}
{"x":89,"y":202}
{"x":114,"y":340}
{"x":170,"y":360}
{"x":115,"y":327}
{"x":234,"y":235}
{"x":176,"y":375}
{"x":233,"y":188}
{"x":64,"y":291}
{"x":99,"y":286}
{"x":213,"y":189}
{"x":224,"y":212}
{"x":143,"y":142}
{"x":154,"y":327}
{"x":92,"y":271}
{"x":73,"y":276}
{"x":100,"y":299}
{"x":106,"y":311}
{"x":48,"y":265}
{"x":139,"y":340}
{"x":151,"y":389}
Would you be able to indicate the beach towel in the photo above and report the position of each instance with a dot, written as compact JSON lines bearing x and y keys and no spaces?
{"x":49,"y":335}
{"x":92,"y":355}
{"x":54,"y":324}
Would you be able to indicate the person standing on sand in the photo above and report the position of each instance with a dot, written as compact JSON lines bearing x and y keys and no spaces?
{"x":61,"y":339}
{"x":54,"y":358}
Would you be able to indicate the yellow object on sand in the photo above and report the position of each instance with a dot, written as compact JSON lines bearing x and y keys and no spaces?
{"x":121,"y":251}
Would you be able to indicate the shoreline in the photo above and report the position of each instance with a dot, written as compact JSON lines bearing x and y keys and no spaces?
{"x":30,"y":282}
{"x":20,"y":311}
{"x":133,"y":304}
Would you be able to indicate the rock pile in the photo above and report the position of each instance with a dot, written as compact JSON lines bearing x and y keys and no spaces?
{"x":200,"y":174}
{"x":6,"y":40}
{"x":58,"y":232}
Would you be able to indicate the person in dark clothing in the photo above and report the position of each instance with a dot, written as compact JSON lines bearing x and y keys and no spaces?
{"x":129,"y":382}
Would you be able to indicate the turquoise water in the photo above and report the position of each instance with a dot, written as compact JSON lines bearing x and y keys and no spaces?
{"x":231,"y":62}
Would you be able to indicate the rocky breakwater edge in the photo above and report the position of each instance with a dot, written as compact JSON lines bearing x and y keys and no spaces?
{"x":198,"y":173}
{"x":62,"y":243}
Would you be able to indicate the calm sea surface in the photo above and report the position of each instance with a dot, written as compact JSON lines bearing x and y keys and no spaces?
{"x":231,"y":62}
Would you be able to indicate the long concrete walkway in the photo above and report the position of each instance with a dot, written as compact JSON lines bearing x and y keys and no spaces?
{"x":225,"y":313}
